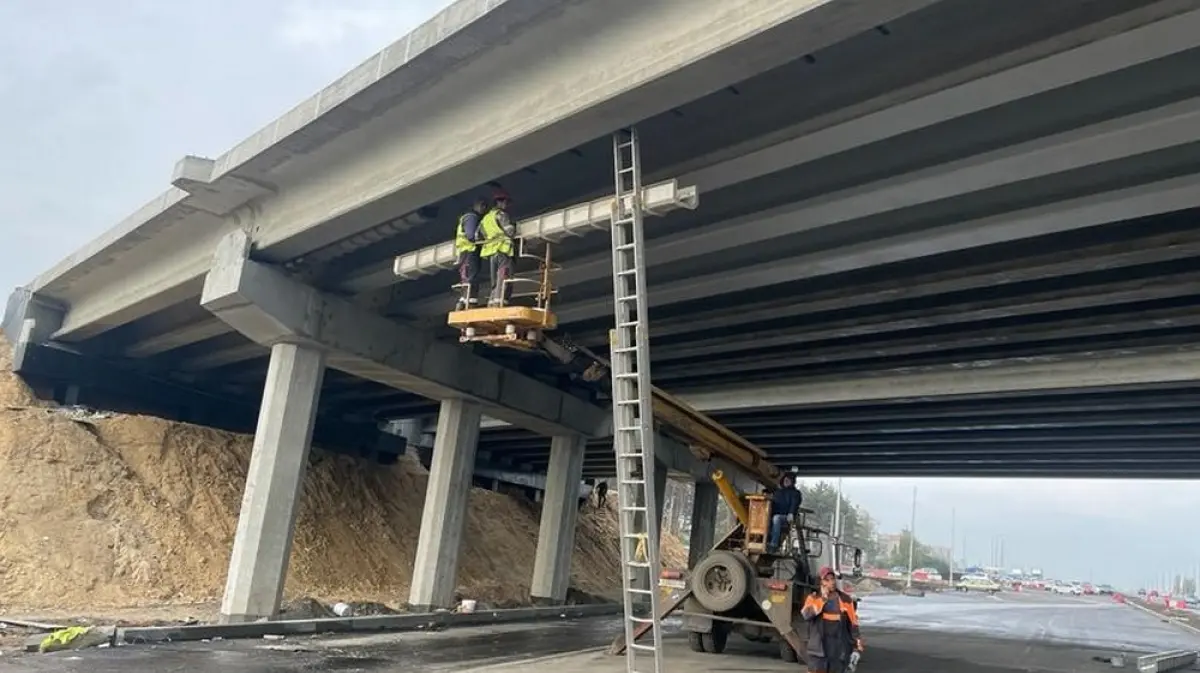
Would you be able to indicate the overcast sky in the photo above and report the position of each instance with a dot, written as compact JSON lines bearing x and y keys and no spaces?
{"x":100,"y":98}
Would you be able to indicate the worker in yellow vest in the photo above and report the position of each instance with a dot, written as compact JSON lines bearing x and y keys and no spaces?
{"x":498,"y":231}
{"x":467,"y":237}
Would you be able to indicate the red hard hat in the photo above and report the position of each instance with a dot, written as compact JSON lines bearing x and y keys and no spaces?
{"x":500,"y":195}
{"x":824,"y":571}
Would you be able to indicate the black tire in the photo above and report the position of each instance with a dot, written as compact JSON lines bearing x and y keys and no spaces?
{"x":720,"y":581}
{"x":787,"y":653}
{"x":695,"y":642}
{"x":715,"y":640}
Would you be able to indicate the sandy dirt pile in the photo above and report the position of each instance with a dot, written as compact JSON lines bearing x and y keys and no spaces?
{"x":133,"y":510}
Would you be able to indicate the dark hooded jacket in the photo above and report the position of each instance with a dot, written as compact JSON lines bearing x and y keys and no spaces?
{"x":786,"y":499}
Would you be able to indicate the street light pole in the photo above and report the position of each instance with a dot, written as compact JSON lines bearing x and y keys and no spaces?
{"x":912,"y":537}
{"x":837,"y":529}
{"x":952,"y":513}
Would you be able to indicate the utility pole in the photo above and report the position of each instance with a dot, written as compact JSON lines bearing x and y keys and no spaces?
{"x":837,"y":529}
{"x":912,"y":537}
{"x":952,"y":513}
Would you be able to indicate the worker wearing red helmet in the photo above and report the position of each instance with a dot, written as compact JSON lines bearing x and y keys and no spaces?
{"x":833,"y":635}
{"x":497,"y":248}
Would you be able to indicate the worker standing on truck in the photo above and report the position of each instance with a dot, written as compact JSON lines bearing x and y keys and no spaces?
{"x":466,"y":242}
{"x":498,"y":233}
{"x":834,"y":641}
{"x":785,"y":503}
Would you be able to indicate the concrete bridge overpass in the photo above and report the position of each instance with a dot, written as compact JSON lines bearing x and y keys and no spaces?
{"x":935,"y":237}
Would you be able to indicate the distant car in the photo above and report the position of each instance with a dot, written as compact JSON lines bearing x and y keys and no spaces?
{"x":977,"y":583}
{"x":1105,"y":590}
{"x":1067,"y":590}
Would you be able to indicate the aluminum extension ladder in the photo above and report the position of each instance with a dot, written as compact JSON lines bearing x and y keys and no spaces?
{"x":633,"y":412}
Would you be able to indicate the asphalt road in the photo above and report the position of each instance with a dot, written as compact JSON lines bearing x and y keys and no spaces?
{"x":1032,"y":632}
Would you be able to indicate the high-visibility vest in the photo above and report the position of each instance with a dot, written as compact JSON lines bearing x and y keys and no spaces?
{"x":461,"y":242}
{"x":494,"y":238}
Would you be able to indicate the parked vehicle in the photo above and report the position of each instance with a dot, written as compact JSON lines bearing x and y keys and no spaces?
{"x":978,"y":583}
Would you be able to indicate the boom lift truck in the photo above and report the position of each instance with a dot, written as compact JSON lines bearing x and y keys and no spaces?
{"x":522,"y":323}
{"x":742,"y":586}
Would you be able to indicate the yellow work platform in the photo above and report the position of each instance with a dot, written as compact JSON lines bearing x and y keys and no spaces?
{"x":511,"y":326}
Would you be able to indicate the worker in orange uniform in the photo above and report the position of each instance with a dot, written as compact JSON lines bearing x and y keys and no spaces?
{"x":834,"y":642}
{"x":466,"y":242}
{"x":498,"y":231}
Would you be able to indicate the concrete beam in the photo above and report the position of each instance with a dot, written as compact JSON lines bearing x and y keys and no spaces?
{"x":1042,"y":336}
{"x":1163,"y":248}
{"x":1033,"y":304}
{"x":268,"y":307}
{"x":177,"y":338}
{"x":1114,"y":44}
{"x":30,"y":317}
{"x":1126,"y":43}
{"x":262,"y":546}
{"x":395,"y":156}
{"x":560,"y":511}
{"x":552,"y":226}
{"x":1096,"y":371}
{"x":1104,"y":142}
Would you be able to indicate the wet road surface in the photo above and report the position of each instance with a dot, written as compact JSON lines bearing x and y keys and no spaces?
{"x":1028,"y":632}
{"x":1030,"y":617}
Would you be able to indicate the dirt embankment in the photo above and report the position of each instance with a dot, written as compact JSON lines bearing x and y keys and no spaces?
{"x":136,"y":511}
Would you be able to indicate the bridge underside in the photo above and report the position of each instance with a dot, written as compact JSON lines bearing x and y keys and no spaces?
{"x":1022,"y":191}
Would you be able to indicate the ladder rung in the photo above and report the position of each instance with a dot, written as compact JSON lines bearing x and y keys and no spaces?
{"x":644,"y":592}
{"x":632,"y":297}
{"x":644,"y":648}
{"x":624,"y":246}
{"x":638,"y":564}
{"x":628,"y":375}
{"x":632,"y":428}
{"x":633,"y":508}
{"x":627,"y":272}
{"x":625,"y":349}
{"x":631,"y":323}
{"x":632,"y":456}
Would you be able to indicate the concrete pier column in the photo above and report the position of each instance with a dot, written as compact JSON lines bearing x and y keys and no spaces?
{"x":704,"y":521}
{"x":560,"y":513}
{"x":435,"y":570}
{"x":263,"y":545}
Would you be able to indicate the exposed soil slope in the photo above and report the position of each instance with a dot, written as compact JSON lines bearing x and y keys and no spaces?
{"x":134,"y":510}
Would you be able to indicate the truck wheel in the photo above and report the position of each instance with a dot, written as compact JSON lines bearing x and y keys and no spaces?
{"x":695,"y":642}
{"x":720,"y":581}
{"x":715,"y":640}
{"x":786,"y":652}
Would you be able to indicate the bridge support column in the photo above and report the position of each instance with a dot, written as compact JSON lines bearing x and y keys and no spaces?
{"x":560,"y":513}
{"x":263,"y":545}
{"x":704,"y":522}
{"x":435,"y":570}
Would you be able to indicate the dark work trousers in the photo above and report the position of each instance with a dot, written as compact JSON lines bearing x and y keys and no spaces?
{"x":468,"y":275}
{"x":502,"y":268}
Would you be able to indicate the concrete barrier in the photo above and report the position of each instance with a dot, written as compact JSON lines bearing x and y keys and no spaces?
{"x":401,"y":622}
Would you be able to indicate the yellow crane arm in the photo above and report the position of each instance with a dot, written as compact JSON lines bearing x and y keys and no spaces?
{"x":699,"y":432}
{"x":731,"y":497}
{"x":707,"y":438}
